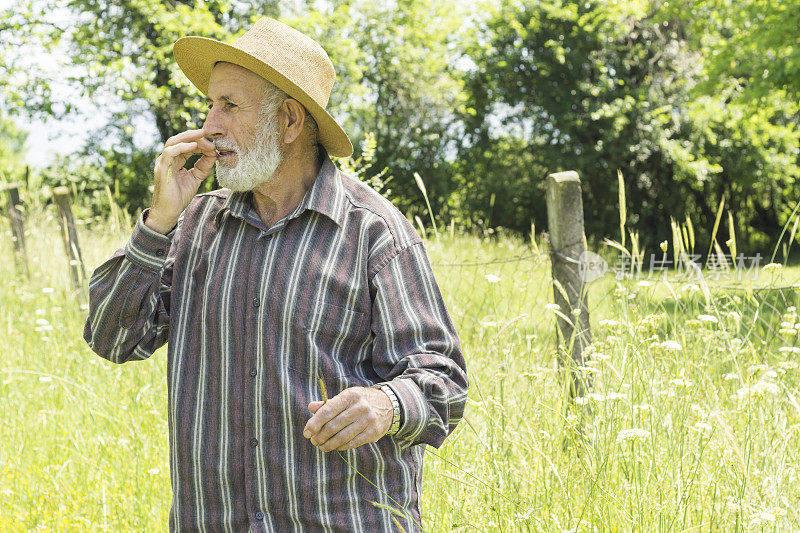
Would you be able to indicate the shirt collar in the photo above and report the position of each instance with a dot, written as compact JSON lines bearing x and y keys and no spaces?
{"x":236,"y":204}
{"x":325,"y":196}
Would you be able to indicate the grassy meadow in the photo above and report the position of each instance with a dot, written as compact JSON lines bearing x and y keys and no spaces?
{"x":691,"y":424}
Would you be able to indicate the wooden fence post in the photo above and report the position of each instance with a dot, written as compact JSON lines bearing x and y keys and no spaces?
{"x":70,"y":238}
{"x":567,"y":243}
{"x":17,"y":218}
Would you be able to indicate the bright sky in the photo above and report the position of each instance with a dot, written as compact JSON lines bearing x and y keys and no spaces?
{"x":48,"y":138}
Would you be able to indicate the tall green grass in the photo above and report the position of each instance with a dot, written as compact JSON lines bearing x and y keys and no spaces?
{"x":692,"y":422}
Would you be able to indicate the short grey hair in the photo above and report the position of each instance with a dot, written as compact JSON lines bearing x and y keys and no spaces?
{"x":273,"y":99}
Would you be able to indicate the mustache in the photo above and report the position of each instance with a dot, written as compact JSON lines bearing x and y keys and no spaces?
{"x":226,"y":144}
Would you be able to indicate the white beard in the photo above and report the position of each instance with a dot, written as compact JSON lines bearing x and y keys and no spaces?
{"x":254,"y":166}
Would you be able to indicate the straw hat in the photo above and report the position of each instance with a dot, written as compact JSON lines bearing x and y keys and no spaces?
{"x":283,"y":56}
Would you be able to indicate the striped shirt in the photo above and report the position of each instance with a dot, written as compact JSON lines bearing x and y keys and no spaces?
{"x":340,"y":288}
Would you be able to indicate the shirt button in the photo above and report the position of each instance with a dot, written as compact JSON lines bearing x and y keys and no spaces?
{"x":253,"y":442}
{"x":256,"y":302}
{"x":259,"y":515}
{"x":253,"y":372}
{"x":160,"y":252}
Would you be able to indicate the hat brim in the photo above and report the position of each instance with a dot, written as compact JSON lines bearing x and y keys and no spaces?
{"x":196,"y":56}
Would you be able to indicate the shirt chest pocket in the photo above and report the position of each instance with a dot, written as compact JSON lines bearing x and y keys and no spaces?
{"x":331,"y":331}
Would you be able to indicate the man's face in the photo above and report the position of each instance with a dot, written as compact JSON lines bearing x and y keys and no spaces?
{"x":246,"y":134}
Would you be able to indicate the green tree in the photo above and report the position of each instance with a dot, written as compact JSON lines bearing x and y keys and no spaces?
{"x":752,"y":43}
{"x":595,"y":87}
{"x":396,"y":80}
{"x":12,"y":148}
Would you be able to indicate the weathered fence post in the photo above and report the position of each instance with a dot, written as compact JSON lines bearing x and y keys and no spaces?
{"x":17,"y":218}
{"x":567,"y":243}
{"x":70,"y":238}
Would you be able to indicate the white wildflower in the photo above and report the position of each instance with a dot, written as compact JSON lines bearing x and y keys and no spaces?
{"x":491,"y":278}
{"x":641,"y":407}
{"x":760,"y":389}
{"x":614,"y":396}
{"x":552,"y":307}
{"x":591,"y":397}
{"x":644,"y":283}
{"x":45,"y":379}
{"x":788,"y":365}
{"x":731,"y":376}
{"x":154,"y":471}
{"x":772,"y":266}
{"x":671,"y":346}
{"x":690,"y":287}
{"x":767,"y":515}
{"x":789,"y":349}
{"x":702,"y":426}
{"x":48,"y":290}
{"x":708,"y":318}
{"x":610,"y":322}
{"x":681,"y":382}
{"x":632,"y":434}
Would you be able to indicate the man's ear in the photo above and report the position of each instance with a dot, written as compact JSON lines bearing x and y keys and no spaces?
{"x":295,"y":119}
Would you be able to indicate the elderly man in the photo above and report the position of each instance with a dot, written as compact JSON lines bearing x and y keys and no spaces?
{"x":291,"y":280}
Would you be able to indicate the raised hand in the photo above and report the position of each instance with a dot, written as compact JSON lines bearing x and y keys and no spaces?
{"x":174,"y":185}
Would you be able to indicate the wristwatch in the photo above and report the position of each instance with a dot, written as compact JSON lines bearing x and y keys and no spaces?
{"x":395,"y":426}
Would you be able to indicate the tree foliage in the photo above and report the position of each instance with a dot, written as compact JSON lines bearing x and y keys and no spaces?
{"x":396,"y":81}
{"x":753,"y":43}
{"x":589,"y":87}
{"x":12,"y":148}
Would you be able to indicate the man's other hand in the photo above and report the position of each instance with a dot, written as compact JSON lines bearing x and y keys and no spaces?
{"x":353,"y":417}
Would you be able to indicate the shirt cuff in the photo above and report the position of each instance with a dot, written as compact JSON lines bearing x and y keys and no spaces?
{"x":413,"y":408}
{"x":148,"y":248}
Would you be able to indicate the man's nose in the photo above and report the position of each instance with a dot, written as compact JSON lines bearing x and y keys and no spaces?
{"x":213,"y":126}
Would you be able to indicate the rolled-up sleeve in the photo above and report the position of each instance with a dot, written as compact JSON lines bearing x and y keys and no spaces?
{"x":129,"y":296}
{"x":416,"y":348}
